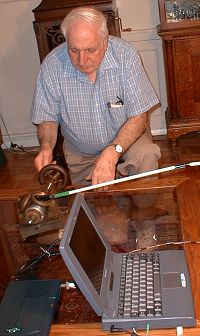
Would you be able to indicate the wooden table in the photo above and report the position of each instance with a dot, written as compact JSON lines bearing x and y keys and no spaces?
{"x":188,"y":199}
{"x":94,"y":329}
{"x":187,"y":186}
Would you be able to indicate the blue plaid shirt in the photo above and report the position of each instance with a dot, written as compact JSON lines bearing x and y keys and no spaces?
{"x":86,"y":111}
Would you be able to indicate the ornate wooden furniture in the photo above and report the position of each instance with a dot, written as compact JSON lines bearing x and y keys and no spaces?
{"x":48,"y":17}
{"x":180,"y":31}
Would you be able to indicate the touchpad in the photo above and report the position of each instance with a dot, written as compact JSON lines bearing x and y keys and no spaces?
{"x":172,"y":280}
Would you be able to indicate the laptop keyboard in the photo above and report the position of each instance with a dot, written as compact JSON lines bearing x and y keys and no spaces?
{"x":140,"y":294}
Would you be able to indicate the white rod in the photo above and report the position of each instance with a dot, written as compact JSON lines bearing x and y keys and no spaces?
{"x":192,"y":164}
{"x":123,"y":179}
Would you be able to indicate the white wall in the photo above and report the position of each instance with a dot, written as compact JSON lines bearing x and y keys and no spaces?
{"x":19,"y":61}
{"x":19,"y":65}
{"x":138,"y":14}
{"x":142,"y":17}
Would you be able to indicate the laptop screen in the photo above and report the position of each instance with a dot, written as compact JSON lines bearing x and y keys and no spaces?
{"x":88,"y":249}
{"x":86,"y":253}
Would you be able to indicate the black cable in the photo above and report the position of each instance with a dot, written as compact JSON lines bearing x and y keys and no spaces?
{"x":31,"y":152}
{"x":14,"y":148}
{"x":114,"y":329}
{"x":11,"y":143}
{"x":35,"y":261}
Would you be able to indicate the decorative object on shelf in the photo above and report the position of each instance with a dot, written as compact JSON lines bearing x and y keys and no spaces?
{"x":181,"y":9}
{"x":180,"y":13}
{"x":180,"y":34}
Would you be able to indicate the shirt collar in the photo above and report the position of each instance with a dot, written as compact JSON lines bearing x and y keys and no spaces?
{"x":109,"y":61}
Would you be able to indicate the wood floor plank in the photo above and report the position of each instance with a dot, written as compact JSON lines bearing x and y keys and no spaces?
{"x":19,"y":176}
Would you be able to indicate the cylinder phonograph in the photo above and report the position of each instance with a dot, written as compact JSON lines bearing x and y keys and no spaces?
{"x":37,"y":216}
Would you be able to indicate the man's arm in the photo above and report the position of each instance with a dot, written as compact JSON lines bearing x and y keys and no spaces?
{"x":131,"y":131}
{"x":105,"y":165}
{"x":47,"y":136}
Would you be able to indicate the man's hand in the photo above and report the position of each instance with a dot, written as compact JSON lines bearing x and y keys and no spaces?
{"x":47,"y":135}
{"x":43,"y":158}
{"x":104,"y":167}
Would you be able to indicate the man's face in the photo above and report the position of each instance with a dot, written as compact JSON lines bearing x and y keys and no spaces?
{"x":86,"y":47}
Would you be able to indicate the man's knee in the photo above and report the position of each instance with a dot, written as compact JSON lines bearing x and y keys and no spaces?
{"x":151,"y":153}
{"x":148,"y":158}
{"x":150,"y":150}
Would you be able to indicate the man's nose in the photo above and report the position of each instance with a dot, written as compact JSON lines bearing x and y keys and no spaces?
{"x":83,"y":57}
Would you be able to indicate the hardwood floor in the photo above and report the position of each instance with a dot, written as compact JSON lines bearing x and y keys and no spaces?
{"x":188,"y":148}
{"x":18,"y":175}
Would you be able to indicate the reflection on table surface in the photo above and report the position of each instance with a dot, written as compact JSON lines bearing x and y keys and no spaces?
{"x":136,"y":220}
{"x":132,"y":220}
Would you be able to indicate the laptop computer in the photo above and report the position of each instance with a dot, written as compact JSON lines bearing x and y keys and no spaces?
{"x":101,"y":275}
{"x":28,"y":307}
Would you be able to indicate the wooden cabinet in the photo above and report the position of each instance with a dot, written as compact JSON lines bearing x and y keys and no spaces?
{"x":50,"y":13}
{"x":48,"y":17}
{"x":181,"y":48}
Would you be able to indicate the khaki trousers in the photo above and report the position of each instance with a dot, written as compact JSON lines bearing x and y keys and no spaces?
{"x":142,"y":156}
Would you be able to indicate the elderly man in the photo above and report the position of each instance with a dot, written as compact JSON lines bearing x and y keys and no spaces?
{"x":95,"y":87}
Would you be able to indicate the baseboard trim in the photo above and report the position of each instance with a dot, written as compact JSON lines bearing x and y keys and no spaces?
{"x":25,"y":140}
{"x":30,"y":139}
{"x":158,"y":132}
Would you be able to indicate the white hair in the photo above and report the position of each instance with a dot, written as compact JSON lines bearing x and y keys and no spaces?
{"x":91,"y":15}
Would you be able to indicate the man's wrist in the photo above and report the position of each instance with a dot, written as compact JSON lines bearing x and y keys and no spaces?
{"x":118,"y":148}
{"x":46,"y":147}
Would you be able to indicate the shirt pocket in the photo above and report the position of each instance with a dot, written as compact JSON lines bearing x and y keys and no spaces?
{"x":117,"y":116}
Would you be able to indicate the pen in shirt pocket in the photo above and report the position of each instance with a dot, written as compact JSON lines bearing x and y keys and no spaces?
{"x":117,"y":104}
